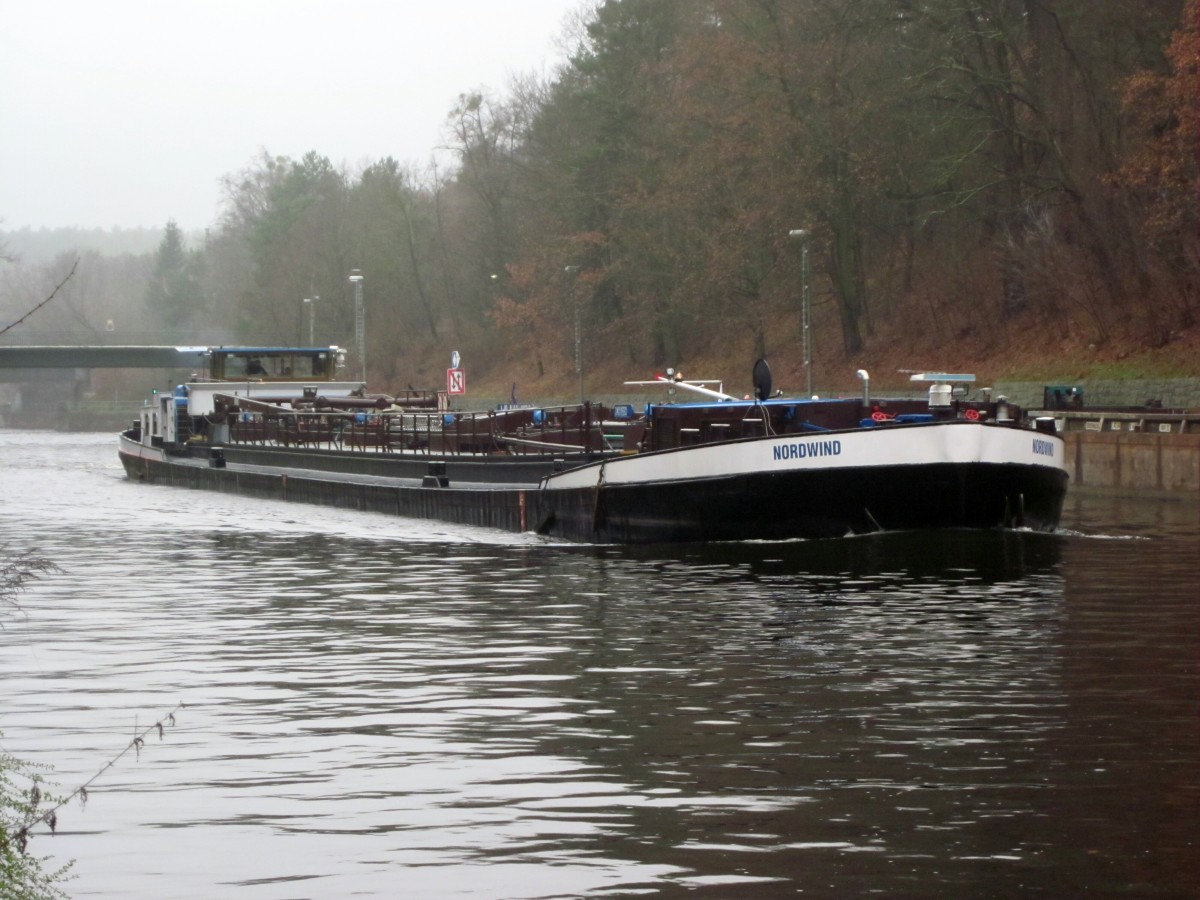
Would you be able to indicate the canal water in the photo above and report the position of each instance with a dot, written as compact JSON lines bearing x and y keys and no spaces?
{"x":377,"y":707}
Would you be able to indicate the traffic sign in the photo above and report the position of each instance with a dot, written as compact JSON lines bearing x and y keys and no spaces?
{"x":456,"y":381}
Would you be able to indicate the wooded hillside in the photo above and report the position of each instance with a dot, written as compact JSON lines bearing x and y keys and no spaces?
{"x":977,"y":180}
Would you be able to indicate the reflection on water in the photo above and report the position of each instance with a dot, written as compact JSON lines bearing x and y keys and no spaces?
{"x":390,"y":708}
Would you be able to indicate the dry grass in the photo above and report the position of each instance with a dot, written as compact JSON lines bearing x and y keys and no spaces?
{"x":972,"y":338}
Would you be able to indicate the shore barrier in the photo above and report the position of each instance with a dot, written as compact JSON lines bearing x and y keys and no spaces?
{"x":1137,"y":462}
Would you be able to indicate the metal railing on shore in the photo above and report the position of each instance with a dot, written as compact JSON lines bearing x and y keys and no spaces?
{"x":1162,"y":393}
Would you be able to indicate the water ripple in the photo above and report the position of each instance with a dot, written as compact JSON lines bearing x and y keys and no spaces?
{"x":378,"y":706}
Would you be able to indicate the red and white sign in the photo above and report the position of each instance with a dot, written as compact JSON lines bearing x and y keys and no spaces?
{"x":456,"y":381}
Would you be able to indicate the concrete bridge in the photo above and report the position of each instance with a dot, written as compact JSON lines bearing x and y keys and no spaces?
{"x":50,"y":385}
{"x":98,"y":357}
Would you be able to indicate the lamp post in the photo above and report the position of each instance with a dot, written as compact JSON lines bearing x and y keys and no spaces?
{"x":574,"y":271}
{"x":802,"y":235}
{"x":311,"y":303}
{"x":360,"y":323}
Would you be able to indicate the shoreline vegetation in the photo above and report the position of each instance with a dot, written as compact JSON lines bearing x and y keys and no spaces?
{"x":995,"y":188}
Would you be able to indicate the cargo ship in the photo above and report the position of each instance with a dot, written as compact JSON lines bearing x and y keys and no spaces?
{"x":277,"y":423}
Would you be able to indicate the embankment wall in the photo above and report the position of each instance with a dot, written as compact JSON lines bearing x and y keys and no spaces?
{"x":1129,"y":461}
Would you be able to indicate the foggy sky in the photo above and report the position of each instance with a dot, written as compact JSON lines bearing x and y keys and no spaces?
{"x":128,"y":112}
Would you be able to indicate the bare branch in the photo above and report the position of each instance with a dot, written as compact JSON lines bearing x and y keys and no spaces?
{"x":49,"y":816}
{"x":58,"y":287}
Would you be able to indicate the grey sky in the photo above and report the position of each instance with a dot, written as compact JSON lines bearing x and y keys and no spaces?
{"x":129,"y":112}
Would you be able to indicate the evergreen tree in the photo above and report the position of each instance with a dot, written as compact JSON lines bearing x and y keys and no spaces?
{"x":173,"y":295}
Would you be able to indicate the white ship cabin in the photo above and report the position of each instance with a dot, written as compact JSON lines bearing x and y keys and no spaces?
{"x":278,"y":373}
{"x":271,"y":374}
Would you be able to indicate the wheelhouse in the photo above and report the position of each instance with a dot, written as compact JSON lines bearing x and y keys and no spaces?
{"x":275,"y":363}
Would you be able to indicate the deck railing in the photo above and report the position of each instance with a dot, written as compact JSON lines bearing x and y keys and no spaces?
{"x":525,"y":431}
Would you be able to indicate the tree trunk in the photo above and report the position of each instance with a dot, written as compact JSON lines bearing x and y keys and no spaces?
{"x":844,"y":271}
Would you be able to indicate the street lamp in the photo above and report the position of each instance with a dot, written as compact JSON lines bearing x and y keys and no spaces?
{"x":802,"y":235}
{"x":311,"y":302}
{"x":360,"y":323}
{"x":574,"y":270}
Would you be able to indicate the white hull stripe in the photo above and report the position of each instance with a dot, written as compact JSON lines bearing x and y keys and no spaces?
{"x":950,"y":444}
{"x":141,"y":451}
